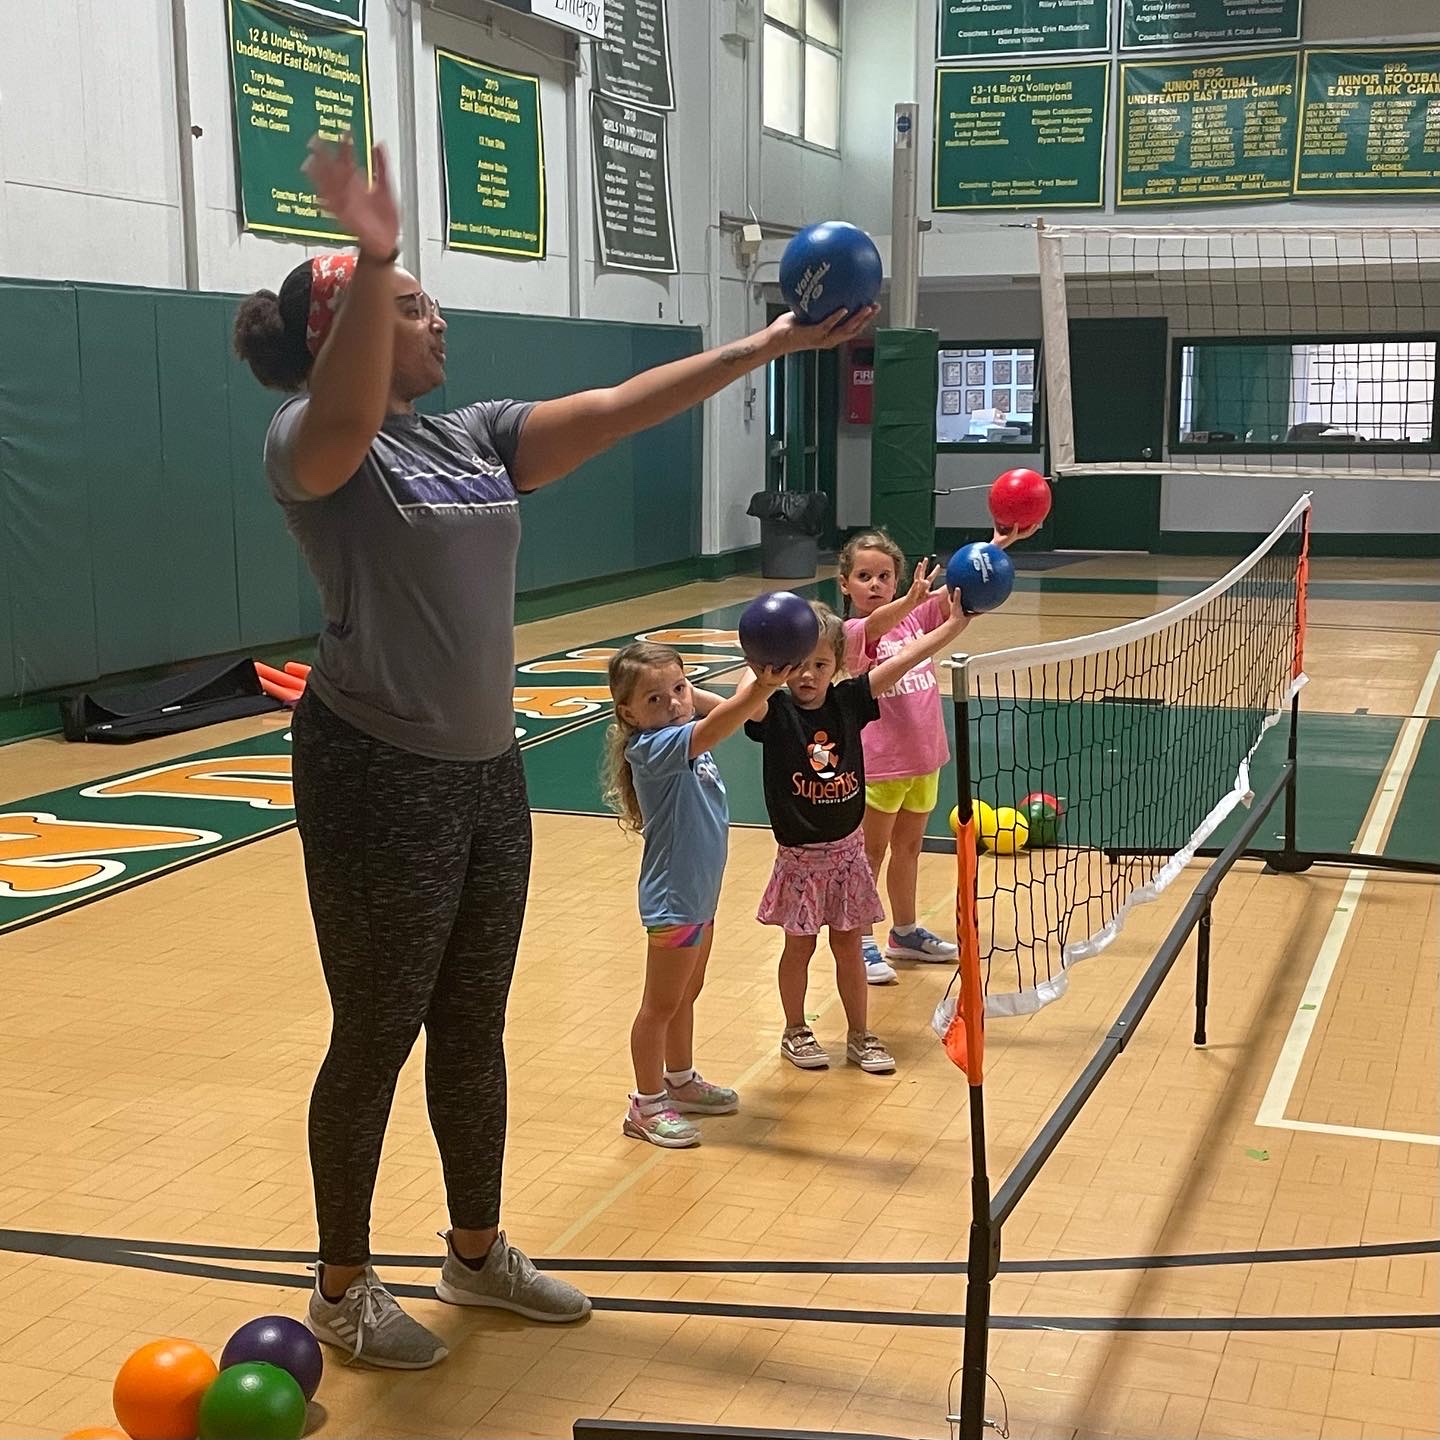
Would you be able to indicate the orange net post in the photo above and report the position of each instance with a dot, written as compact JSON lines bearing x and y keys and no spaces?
{"x":1302,"y":582}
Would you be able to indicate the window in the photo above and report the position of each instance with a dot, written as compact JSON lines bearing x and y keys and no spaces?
{"x":801,"y":68}
{"x":1331,"y":392}
{"x":988,"y":395}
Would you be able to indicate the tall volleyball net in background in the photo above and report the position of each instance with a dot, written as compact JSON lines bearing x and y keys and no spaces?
{"x":1296,"y":350}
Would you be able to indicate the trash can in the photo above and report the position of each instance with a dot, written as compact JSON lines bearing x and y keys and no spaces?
{"x":790,"y":526}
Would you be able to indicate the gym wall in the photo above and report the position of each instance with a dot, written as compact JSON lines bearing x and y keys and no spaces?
{"x":161,"y":465}
{"x":138,"y":529}
{"x":981,"y":280}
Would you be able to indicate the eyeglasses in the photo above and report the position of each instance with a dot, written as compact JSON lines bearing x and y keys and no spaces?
{"x":418,"y":306}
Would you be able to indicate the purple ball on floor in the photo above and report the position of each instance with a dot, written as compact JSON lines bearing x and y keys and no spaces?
{"x":280,"y":1341}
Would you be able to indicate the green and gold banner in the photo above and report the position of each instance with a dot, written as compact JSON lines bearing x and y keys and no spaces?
{"x":632,"y":62}
{"x":1369,"y":122}
{"x":494,"y":157}
{"x":291,"y":79}
{"x":1010,"y":138}
{"x":1203,"y":131}
{"x":976,"y":29}
{"x":1162,"y":24}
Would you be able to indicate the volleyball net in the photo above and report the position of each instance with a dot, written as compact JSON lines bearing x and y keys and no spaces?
{"x":1091,"y":772}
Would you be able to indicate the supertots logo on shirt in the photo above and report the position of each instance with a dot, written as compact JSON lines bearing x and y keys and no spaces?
{"x":706,"y":771}
{"x":828,"y":787}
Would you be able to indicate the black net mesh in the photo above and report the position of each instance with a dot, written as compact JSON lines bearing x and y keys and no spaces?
{"x":1096,"y":758}
{"x":1297,"y":350}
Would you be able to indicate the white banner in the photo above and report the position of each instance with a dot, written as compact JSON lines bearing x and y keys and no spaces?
{"x":586,"y":16}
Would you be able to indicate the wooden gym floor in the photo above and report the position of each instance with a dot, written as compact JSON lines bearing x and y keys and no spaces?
{"x":156,"y":1049}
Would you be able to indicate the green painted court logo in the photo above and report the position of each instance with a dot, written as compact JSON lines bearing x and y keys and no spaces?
{"x":71,"y":846}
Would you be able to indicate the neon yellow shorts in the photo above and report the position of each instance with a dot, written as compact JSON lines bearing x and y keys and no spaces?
{"x":915,"y":792}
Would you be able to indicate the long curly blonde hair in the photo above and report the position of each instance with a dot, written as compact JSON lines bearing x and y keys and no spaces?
{"x":628,"y":670}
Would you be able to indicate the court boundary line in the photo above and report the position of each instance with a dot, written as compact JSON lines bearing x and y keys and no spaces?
{"x":133,"y":1255}
{"x":74,"y":1246}
{"x":1393,"y":783}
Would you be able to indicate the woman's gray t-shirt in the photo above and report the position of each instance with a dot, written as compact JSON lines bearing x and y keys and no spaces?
{"x":414,"y":557}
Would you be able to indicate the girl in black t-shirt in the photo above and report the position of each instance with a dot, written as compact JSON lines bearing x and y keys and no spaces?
{"x":815,"y":796}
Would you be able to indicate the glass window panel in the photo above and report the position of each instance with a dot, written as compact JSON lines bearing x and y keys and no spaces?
{"x":787,"y":12}
{"x":822,"y":22}
{"x":1338,"y":393}
{"x":782,"y":81}
{"x":822,"y":98}
{"x":987,"y":396}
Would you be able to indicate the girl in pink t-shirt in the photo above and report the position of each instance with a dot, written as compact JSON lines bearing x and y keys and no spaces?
{"x":906,"y":747}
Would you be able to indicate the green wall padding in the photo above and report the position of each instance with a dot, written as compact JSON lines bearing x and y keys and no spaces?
{"x":191,"y":341}
{"x":902,"y":447}
{"x":45,"y":535}
{"x":120,"y":379}
{"x":275,"y":596}
{"x":136,"y":529}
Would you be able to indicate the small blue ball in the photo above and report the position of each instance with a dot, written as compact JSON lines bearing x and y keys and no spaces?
{"x":983,"y":576}
{"x":828,"y":267}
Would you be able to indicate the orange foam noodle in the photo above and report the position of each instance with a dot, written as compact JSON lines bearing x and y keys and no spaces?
{"x":965,"y":1035}
{"x":286,"y":694}
{"x":298,"y":669}
{"x":278,"y":677}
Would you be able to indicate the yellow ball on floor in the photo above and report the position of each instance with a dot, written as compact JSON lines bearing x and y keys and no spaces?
{"x":984,"y":826}
{"x":955,"y":821}
{"x":1010,"y":833}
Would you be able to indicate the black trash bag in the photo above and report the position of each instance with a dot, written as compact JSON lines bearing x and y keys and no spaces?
{"x":800,"y":511}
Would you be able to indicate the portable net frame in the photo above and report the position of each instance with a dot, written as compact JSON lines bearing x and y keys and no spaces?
{"x":1314,"y":347}
{"x":1145,"y":734}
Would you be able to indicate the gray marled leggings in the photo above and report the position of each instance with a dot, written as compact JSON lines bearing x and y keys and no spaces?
{"x":417,"y":871}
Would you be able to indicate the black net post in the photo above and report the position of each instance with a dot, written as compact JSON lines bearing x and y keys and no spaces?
{"x":1202,"y":973}
{"x":984,"y":1252}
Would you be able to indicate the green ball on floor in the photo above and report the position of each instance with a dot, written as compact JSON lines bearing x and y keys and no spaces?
{"x":1042,"y":814}
{"x":254,"y":1401}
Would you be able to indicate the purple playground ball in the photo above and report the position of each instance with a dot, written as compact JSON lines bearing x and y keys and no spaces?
{"x":280,"y":1341}
{"x":778,"y":629}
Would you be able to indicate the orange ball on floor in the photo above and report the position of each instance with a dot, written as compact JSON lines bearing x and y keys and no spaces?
{"x":159,"y":1388}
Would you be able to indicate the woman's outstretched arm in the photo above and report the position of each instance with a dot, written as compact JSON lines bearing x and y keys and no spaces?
{"x":562,"y":434}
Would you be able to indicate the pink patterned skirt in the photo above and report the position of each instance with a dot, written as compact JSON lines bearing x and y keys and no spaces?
{"x":814,"y":886}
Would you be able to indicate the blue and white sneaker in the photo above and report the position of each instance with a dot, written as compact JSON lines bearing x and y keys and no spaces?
{"x":878,"y":971}
{"x":920,"y":944}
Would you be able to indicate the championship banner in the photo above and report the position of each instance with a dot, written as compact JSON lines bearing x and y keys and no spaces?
{"x":1370,"y":122}
{"x":1013,"y":138}
{"x":292,"y":79}
{"x":630,"y":163}
{"x":979,"y":29}
{"x":632,"y":62}
{"x":1205,"y":131}
{"x":493,"y":152}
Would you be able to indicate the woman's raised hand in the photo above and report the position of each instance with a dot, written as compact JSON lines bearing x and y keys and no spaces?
{"x":364,"y":207}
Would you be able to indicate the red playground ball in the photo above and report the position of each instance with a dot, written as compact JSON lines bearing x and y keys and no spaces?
{"x":1019,"y":498}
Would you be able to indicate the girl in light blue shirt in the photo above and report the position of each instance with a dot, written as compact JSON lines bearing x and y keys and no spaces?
{"x":663,"y":784}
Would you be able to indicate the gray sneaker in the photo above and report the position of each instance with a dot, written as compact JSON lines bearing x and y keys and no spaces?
{"x":508,"y":1281}
{"x":368,"y":1322}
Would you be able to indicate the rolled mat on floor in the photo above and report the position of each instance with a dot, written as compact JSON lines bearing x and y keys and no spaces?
{"x":205,"y":694}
